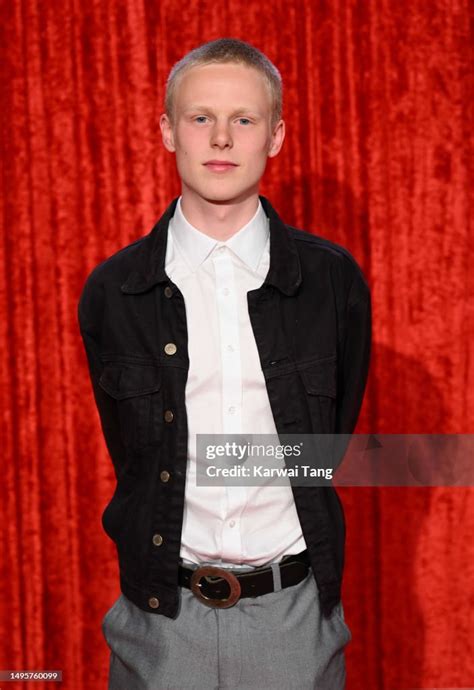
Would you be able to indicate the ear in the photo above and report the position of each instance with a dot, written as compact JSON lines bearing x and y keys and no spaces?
{"x":277,"y":139}
{"x":167,"y":133}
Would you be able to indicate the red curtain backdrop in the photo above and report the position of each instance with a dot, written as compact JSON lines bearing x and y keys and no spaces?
{"x":375,"y":158}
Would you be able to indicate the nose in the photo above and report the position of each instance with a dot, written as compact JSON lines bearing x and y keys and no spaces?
{"x":221,"y":134}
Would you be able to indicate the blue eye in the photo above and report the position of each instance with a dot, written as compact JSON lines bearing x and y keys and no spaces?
{"x":200,"y":118}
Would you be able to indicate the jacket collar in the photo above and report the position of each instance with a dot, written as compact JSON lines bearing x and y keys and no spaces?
{"x":284,"y":272}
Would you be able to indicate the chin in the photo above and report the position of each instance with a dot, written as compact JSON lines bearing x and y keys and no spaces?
{"x":213,"y":193}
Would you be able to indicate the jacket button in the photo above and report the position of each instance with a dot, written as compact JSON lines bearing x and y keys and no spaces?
{"x":170,"y":348}
{"x":153,"y":602}
{"x":168,"y":291}
{"x":169,"y":416}
{"x":164,"y":476}
{"x":157,"y":539}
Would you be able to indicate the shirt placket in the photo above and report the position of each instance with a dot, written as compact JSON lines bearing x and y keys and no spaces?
{"x":228,"y":318}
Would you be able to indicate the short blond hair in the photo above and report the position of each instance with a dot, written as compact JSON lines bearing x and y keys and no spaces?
{"x":225,"y":50}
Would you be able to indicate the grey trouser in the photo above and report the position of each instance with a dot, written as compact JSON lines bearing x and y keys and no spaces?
{"x":278,"y":641}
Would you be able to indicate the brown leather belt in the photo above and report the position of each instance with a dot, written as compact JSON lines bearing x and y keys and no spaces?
{"x":221,"y":587}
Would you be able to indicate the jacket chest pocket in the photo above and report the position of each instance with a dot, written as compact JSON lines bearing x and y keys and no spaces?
{"x":320,"y":380}
{"x":137,"y":391}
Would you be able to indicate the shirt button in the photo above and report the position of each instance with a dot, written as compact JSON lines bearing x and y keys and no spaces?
{"x":153,"y":602}
{"x":157,"y":539}
{"x":225,"y":291}
{"x":231,"y":409}
{"x":164,"y":476}
{"x":231,"y":523}
{"x":170,"y":348}
{"x":169,"y":416}
{"x":168,"y":291}
{"x":230,"y":348}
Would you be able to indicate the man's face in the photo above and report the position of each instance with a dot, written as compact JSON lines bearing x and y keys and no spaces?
{"x":222,"y":112}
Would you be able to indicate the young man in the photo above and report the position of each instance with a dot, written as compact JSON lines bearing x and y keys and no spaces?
{"x":224,"y":320}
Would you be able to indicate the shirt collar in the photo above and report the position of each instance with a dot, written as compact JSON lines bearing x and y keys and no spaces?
{"x":247,"y":243}
{"x":146,"y":256}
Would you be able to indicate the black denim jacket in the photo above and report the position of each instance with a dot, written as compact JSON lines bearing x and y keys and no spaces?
{"x":311,"y":320}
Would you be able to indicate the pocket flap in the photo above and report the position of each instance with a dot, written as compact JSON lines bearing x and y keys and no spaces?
{"x":121,"y":380}
{"x":319,"y":378}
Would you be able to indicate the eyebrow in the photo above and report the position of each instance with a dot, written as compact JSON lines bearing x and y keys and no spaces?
{"x":243,"y":109}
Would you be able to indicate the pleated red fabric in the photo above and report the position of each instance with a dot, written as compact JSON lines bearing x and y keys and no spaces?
{"x":376,"y":158}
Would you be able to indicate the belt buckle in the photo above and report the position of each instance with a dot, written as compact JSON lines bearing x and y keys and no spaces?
{"x":230,"y":578}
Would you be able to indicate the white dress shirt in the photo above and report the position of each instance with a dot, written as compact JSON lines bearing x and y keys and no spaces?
{"x":226,"y":393}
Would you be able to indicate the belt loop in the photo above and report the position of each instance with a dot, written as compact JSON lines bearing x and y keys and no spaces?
{"x":276,"y":576}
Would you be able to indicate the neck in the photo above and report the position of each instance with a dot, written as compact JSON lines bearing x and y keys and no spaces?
{"x":218,"y":219}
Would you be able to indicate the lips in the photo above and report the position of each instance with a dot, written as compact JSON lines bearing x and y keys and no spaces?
{"x":216,"y":161}
{"x":220,"y":166}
